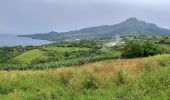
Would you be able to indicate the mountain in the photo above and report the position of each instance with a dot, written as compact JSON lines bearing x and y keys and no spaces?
{"x":127,"y":27}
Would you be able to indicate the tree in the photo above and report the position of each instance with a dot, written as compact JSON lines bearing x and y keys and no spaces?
{"x":138,"y":48}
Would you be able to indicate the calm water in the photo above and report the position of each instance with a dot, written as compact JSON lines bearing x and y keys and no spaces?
{"x":14,"y":40}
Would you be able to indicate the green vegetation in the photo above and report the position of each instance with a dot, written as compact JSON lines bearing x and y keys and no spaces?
{"x":64,"y":54}
{"x":138,"y":48}
{"x":147,"y":78}
{"x":56,"y":55}
{"x":144,"y":46}
{"x":29,"y":56}
{"x":68,"y":49}
{"x":7,"y":53}
{"x":165,"y":40}
{"x":58,"y":64}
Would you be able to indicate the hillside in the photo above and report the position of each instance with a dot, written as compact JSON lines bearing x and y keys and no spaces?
{"x":127,"y":27}
{"x":138,"y":79}
{"x":80,"y":52}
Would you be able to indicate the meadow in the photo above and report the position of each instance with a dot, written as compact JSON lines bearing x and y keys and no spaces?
{"x":29,"y":56}
{"x":131,"y":79}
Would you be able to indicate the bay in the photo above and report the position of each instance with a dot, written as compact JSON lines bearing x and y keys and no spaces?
{"x":14,"y":40}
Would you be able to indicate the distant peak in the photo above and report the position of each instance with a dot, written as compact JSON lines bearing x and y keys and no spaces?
{"x":52,"y":32}
{"x":132,"y":19}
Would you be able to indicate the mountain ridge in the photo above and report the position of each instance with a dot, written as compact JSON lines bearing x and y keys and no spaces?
{"x":127,"y":27}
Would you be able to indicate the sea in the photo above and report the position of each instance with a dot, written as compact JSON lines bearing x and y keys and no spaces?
{"x":15,"y":40}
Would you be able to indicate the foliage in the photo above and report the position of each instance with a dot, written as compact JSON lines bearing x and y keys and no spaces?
{"x":80,"y":44}
{"x":7,"y":53}
{"x":58,"y":55}
{"x":165,"y":40}
{"x":56,"y":64}
{"x":138,"y":48}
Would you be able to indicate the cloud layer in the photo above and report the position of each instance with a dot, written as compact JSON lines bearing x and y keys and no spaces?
{"x":34,"y":16}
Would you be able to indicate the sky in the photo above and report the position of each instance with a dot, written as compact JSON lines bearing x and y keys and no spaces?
{"x":41,"y":16}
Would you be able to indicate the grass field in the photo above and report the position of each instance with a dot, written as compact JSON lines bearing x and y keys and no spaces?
{"x":132,"y":79}
{"x":29,"y":56}
{"x":67,"y":49}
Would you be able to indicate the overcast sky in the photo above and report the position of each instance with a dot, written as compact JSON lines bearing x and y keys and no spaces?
{"x":40,"y":16}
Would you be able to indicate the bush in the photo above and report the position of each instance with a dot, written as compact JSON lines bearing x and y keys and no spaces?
{"x":137,"y":48}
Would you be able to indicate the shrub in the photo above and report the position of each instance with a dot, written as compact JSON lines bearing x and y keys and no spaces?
{"x":137,"y":48}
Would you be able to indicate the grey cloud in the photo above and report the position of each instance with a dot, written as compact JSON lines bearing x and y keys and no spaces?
{"x":34,"y":16}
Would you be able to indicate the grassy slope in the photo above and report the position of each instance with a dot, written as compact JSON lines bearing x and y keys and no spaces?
{"x":29,"y":56}
{"x":67,"y":49}
{"x":146,"y":78}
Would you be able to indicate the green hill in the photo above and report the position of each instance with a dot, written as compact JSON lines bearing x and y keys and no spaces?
{"x":33,"y":55}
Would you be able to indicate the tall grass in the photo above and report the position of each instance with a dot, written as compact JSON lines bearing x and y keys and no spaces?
{"x":152,"y":83}
{"x":151,"y":63}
